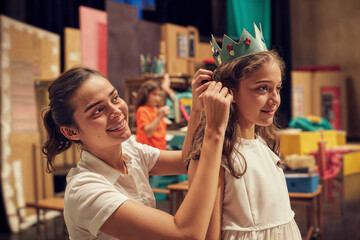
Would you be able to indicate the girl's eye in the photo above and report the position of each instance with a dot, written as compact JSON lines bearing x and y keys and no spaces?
{"x":279,"y":88}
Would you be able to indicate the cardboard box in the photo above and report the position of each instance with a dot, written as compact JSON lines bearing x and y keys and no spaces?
{"x":303,"y":143}
{"x":331,"y":137}
{"x":341,"y":137}
{"x":302,"y":182}
{"x":351,"y":163}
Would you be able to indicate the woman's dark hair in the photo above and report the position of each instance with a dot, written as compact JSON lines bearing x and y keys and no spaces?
{"x":230,"y":75}
{"x":60,"y":111}
{"x":145,"y":90}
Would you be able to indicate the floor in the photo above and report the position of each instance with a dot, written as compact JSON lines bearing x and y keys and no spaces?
{"x":341,"y":216}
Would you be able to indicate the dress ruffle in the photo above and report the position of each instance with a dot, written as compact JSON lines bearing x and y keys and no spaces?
{"x":289,"y":231}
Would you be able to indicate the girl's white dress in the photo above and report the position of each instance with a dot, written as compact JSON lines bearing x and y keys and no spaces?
{"x":257,"y":206}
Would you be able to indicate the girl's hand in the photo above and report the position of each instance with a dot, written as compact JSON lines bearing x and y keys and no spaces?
{"x":199,"y":84}
{"x":163,"y":111}
{"x":165,"y":84}
{"x":216,"y":100}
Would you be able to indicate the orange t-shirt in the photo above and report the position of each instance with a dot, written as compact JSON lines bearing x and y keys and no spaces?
{"x":144,"y":116}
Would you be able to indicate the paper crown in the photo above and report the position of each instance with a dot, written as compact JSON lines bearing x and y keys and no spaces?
{"x":232,"y":50}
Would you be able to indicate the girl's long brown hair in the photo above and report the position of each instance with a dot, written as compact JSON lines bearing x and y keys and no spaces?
{"x":145,"y":89}
{"x":230,"y":75}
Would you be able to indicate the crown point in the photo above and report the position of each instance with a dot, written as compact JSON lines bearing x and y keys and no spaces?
{"x":216,"y":53}
{"x":219,"y":60}
{"x":247,"y":41}
{"x":229,"y":47}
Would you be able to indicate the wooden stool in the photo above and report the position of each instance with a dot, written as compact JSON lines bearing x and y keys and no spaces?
{"x":311,"y":199}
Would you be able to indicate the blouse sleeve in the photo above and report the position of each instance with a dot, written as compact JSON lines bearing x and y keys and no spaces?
{"x":147,"y":155}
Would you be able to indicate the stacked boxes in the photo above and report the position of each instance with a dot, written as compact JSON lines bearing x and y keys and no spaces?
{"x":304,"y":143}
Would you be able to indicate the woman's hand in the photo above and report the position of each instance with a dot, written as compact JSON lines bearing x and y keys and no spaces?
{"x":216,"y":100}
{"x":199,"y":84}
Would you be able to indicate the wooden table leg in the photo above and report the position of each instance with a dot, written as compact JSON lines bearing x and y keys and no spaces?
{"x":309,"y":214}
{"x":320,"y":218}
{"x":171,"y":202}
{"x":38,"y":232}
{"x":309,"y":233}
{"x":178,"y":200}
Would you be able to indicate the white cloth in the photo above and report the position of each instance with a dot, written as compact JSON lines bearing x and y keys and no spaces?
{"x":95,"y":190}
{"x":257,"y":206}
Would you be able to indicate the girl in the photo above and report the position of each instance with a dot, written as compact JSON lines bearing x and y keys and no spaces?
{"x":252,"y":200}
{"x":108,"y":195}
{"x":150,"y":117}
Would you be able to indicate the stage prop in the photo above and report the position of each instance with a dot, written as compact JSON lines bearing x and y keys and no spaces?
{"x":29,"y":55}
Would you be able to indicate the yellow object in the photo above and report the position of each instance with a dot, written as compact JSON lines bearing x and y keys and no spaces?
{"x":330,"y":136}
{"x":186,"y":101}
{"x":303,"y":143}
{"x":351,"y":188}
{"x":299,"y":143}
{"x":351,"y":163}
{"x":341,"y":137}
{"x":314,"y":119}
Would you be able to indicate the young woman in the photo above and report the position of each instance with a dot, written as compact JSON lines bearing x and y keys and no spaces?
{"x":108,"y":195}
{"x":252,"y":200}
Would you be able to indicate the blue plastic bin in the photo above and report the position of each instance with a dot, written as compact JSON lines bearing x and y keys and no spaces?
{"x":302,"y":182}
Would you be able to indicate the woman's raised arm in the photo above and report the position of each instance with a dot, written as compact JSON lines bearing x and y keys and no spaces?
{"x":135,"y":221}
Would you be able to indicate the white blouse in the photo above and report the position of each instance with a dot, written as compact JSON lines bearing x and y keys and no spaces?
{"x":95,"y":190}
{"x":257,"y":206}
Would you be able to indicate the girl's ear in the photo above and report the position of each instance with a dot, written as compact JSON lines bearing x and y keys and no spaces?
{"x":69,"y":133}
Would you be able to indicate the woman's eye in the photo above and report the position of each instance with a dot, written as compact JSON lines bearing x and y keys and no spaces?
{"x":116,"y":98}
{"x":97,"y":111}
{"x":279,"y":88}
{"x":262,"y":88}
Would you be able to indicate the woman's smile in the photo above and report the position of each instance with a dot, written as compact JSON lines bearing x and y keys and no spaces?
{"x":119,"y":126}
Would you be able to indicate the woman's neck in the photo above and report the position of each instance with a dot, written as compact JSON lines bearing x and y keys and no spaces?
{"x":113,"y":157}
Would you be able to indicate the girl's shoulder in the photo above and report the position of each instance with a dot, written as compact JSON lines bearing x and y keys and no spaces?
{"x":262,"y":141}
{"x":146,"y":108}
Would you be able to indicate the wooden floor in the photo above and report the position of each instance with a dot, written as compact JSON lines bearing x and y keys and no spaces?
{"x":341,"y":216}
